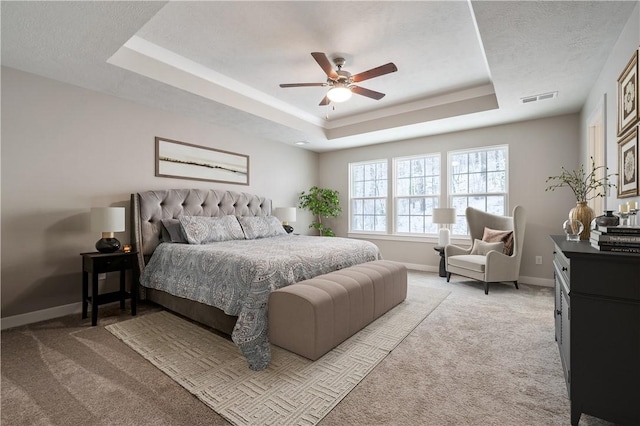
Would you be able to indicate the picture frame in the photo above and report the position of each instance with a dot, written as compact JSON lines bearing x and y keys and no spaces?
{"x":182,"y":160}
{"x":628,"y":92}
{"x":628,"y":165}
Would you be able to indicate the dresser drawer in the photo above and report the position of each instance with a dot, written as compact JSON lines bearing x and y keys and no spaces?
{"x":562,"y":266}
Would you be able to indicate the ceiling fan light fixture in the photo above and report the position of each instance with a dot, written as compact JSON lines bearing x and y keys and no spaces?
{"x":339,"y":93}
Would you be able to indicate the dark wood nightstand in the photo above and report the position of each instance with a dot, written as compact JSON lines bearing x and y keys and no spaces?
{"x":442,"y":270}
{"x":98,"y":263}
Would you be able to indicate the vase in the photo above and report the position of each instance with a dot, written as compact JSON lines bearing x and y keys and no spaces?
{"x":583,"y":213}
{"x":607,"y":219}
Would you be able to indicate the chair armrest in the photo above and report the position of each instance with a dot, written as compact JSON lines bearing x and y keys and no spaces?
{"x":453,"y":250}
{"x":500,"y":267}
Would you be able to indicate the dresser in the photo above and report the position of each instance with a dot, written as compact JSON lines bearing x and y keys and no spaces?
{"x":597,"y":327}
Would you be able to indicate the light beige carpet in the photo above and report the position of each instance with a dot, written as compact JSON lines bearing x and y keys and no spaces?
{"x":293,"y":390}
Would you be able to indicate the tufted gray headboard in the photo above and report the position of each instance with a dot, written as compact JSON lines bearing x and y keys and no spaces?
{"x":150,"y":207}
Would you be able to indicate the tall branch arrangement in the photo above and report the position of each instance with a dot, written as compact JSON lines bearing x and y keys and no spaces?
{"x":584,"y":186}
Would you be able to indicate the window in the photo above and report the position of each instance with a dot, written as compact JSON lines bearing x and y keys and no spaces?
{"x":368,"y":196}
{"x":398,"y":197}
{"x":477,"y":178}
{"x":417,"y":193}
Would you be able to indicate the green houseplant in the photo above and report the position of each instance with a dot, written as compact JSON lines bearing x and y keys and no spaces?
{"x":585,"y":186}
{"x":323,"y":203}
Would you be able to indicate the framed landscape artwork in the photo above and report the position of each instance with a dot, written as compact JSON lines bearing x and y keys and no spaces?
{"x":628,"y":111}
{"x":183,"y":160}
{"x":628,"y":165}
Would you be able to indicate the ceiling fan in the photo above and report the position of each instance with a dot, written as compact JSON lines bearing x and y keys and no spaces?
{"x":342,"y":82}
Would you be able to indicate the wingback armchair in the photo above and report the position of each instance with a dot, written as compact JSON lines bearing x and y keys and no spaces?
{"x":483,"y":262}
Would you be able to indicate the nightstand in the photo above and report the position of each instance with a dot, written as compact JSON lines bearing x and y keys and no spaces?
{"x":442,"y":270}
{"x":99,"y":263}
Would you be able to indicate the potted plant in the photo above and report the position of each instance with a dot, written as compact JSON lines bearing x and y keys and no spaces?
{"x":323,"y":203}
{"x":585,"y":186}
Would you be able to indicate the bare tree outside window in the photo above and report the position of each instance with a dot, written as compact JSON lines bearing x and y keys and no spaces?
{"x":417,"y":193}
{"x":477,"y":179}
{"x":368,"y":196}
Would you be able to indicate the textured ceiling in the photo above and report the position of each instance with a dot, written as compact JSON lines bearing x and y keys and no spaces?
{"x":460,"y":65}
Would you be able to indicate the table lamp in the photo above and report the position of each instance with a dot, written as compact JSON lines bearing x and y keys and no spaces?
{"x":286,"y":215}
{"x":444,"y":216}
{"x":107,"y":220}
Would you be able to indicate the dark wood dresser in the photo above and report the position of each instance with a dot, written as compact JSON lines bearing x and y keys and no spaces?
{"x":597,"y":314}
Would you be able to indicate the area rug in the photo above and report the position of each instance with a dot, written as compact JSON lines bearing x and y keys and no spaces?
{"x":292,"y":390}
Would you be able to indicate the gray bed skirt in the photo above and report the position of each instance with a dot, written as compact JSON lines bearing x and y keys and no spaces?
{"x":204,"y":314}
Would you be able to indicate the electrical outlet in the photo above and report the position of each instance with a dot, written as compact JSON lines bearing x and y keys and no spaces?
{"x":102,"y":276}
{"x":538,"y":260}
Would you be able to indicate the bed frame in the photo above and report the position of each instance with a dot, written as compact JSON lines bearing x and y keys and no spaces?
{"x":149,"y":208}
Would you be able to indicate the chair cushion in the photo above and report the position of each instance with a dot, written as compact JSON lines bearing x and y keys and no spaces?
{"x":482,"y":248}
{"x":473,"y":262}
{"x":495,"y":235}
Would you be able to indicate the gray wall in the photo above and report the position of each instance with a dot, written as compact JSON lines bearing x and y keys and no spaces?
{"x":66,"y":149}
{"x":606,"y":88}
{"x":537,"y":149}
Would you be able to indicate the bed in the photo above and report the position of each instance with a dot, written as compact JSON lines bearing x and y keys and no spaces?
{"x":226,"y":284}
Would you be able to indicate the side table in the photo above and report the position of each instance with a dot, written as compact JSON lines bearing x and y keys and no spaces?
{"x":99,"y":263}
{"x":443,"y":270}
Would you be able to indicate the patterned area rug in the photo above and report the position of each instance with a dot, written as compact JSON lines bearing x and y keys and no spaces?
{"x":293,"y":389}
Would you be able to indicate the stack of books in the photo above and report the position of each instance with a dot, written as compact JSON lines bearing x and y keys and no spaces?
{"x":616,"y":238}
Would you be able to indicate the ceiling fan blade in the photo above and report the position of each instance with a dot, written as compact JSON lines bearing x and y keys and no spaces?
{"x":325,"y":101}
{"x":324,"y":63}
{"x":368,"y":93}
{"x":303,"y":85}
{"x":375,"y":72}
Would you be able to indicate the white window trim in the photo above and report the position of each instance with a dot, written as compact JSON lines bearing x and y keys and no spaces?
{"x":394,"y":197}
{"x":350,"y":198}
{"x":447,"y":197}
{"x":450,"y":195}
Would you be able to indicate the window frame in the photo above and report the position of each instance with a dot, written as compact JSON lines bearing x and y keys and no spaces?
{"x":395,"y":197}
{"x":461,"y":218}
{"x":352,"y":198}
{"x":445,"y":197}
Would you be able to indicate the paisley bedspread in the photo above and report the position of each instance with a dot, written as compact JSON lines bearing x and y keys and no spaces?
{"x":237,"y":277}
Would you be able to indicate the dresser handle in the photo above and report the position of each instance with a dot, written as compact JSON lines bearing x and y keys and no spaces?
{"x":564,"y":268}
{"x":558,"y":312}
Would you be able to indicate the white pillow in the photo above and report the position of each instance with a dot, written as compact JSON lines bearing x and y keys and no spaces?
{"x":261,"y":226}
{"x":482,"y":247}
{"x":202,"y":229}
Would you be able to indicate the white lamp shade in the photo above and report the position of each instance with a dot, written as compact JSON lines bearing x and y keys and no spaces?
{"x":444,"y":216}
{"x":107,"y":219}
{"x":286,"y":214}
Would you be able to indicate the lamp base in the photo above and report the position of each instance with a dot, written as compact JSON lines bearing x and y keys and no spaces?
{"x":444,"y":237}
{"x":288,"y":228}
{"x":107,"y":245}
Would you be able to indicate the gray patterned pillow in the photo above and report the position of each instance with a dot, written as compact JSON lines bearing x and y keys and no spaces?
{"x":203,"y":230}
{"x":261,"y":226}
{"x":172,"y":231}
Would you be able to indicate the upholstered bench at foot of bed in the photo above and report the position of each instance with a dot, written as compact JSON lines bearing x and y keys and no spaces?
{"x":314,"y":316}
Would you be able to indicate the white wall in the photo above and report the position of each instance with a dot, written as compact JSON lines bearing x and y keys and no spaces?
{"x":67,"y":149}
{"x":606,"y":86}
{"x":537,"y":149}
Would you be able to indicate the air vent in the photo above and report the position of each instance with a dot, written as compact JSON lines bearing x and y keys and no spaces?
{"x":542,"y":97}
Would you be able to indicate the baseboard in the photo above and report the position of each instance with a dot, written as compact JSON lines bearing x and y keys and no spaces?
{"x":541,"y":282}
{"x":419,"y":267}
{"x":42,"y":315}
